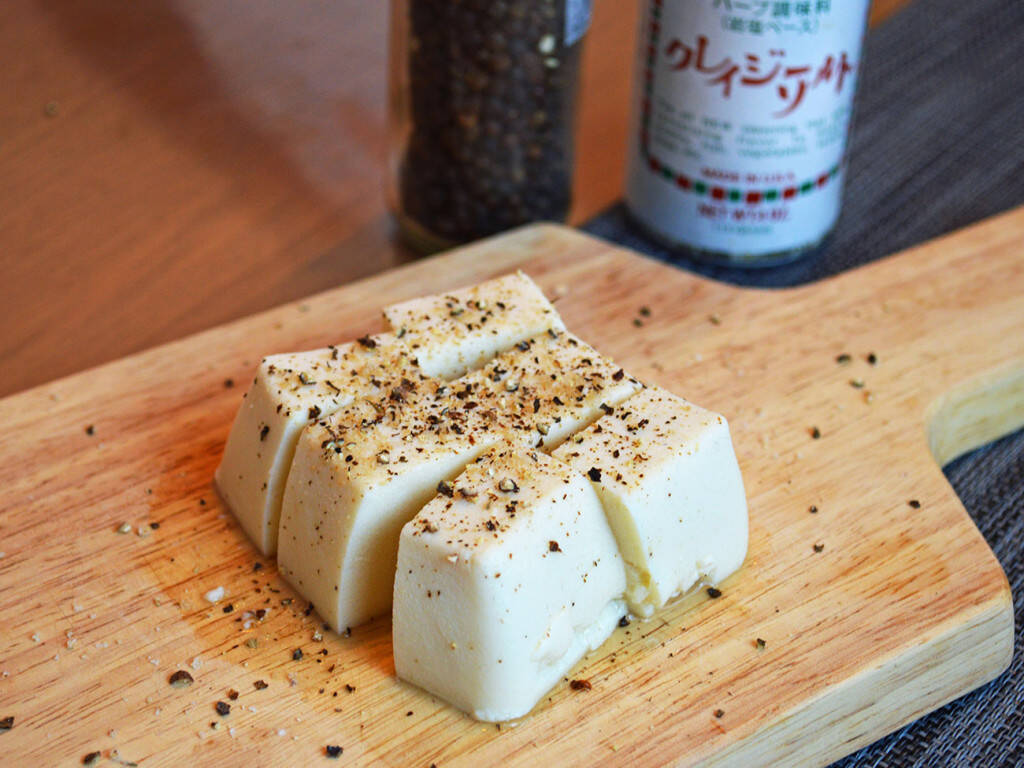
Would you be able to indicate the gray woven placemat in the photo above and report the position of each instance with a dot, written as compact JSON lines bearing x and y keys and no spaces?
{"x":938,"y":144}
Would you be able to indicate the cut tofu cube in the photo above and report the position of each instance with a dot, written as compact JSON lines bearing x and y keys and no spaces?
{"x":358,"y":476}
{"x":456,"y":332}
{"x":548,"y":387}
{"x":288,"y":392}
{"x":667,"y":475}
{"x":341,"y":519}
{"x":504,"y":584}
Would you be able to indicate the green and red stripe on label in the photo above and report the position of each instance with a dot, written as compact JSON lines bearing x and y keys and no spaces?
{"x":697,"y":186}
{"x":736,"y":195}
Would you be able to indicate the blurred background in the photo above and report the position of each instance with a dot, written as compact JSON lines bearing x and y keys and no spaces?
{"x":169,"y":165}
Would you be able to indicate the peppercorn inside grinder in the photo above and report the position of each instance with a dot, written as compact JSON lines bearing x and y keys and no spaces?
{"x":482,"y":109}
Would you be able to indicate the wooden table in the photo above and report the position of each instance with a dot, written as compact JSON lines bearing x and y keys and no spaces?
{"x":168,"y":166}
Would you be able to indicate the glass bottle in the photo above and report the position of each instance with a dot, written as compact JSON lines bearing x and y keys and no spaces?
{"x":482,"y":103}
{"x":740,"y":123}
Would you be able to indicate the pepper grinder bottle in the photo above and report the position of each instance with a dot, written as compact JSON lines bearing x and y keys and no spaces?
{"x":740,"y":124}
{"x":482,"y":102}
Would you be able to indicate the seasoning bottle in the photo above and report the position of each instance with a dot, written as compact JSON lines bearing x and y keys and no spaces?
{"x":740,"y":124}
{"x":482,"y":102}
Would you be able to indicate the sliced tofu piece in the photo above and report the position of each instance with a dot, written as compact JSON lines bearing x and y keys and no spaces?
{"x":340,"y":519}
{"x":548,"y":387}
{"x":435,"y":336}
{"x":504,"y":585}
{"x":358,"y":476}
{"x":288,"y":392}
{"x":456,"y":332}
{"x":668,"y":478}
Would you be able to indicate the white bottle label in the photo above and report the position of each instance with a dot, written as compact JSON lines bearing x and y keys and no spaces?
{"x":739,"y":133}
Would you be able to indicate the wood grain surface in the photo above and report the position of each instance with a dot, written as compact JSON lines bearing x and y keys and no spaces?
{"x":903,"y":608}
{"x":169,"y":165}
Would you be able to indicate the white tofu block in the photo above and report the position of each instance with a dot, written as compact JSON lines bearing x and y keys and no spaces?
{"x":456,"y":332}
{"x":548,"y":387}
{"x":340,"y":519}
{"x":288,"y":392}
{"x":357,"y":478}
{"x":499,"y":592}
{"x":668,"y":478}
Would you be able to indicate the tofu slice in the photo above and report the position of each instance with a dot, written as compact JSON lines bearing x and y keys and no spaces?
{"x":456,"y":332}
{"x":548,"y":387}
{"x":435,"y":335}
{"x":288,"y":392}
{"x":340,"y":519}
{"x":358,"y":476}
{"x":667,"y":475}
{"x":504,"y":585}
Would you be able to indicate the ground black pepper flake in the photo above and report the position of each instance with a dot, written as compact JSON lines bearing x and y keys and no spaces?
{"x":760,"y":643}
{"x":812,"y":509}
{"x":594,"y":474}
{"x":257,"y":566}
{"x":264,"y":432}
{"x":553,"y":546}
{"x":645,"y":311}
{"x":714,"y":592}
{"x":92,"y":758}
{"x":297,"y":654}
{"x":624,"y":621}
{"x":259,"y":685}
{"x":719,"y":712}
{"x":819,"y":547}
{"x":229,"y":383}
{"x":843,"y":359}
{"x":580,"y":685}
{"x":7,"y":723}
{"x":872,"y":358}
{"x":333,"y":751}
{"x":228,"y":608}
{"x":914,"y":504}
{"x":618,"y":375}
{"x":90,"y":430}
{"x":223,"y":708}
{"x":350,"y":688}
{"x":232,"y":694}
{"x":367,"y":342}
{"x":180,"y":679}
{"x":815,"y":433}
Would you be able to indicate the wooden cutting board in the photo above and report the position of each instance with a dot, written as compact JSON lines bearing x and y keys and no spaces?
{"x":903,"y":608}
